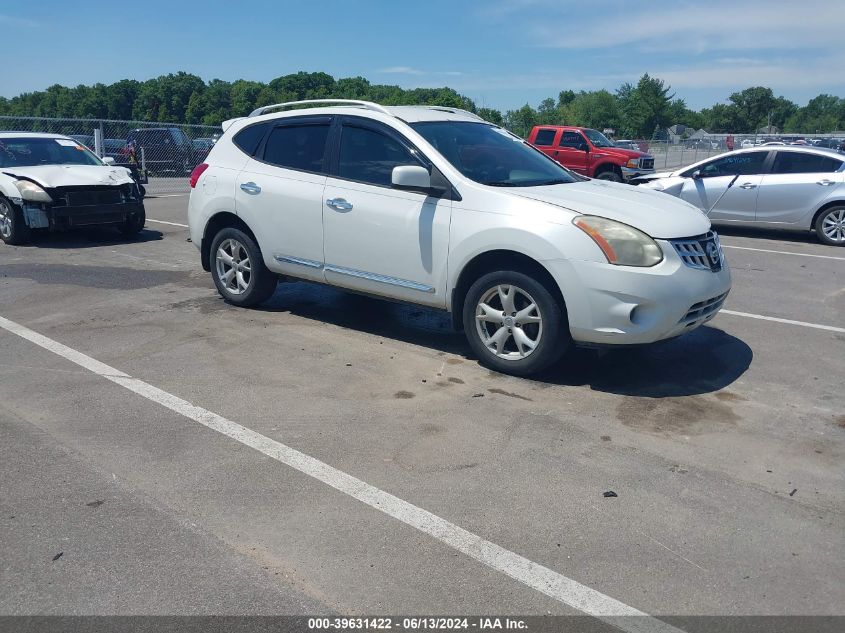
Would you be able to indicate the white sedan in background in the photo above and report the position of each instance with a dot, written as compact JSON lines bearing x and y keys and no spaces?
{"x":780,"y":186}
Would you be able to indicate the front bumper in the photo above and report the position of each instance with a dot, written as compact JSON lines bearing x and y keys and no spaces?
{"x":626,"y":305}
{"x":629,"y":173}
{"x":57,"y":217}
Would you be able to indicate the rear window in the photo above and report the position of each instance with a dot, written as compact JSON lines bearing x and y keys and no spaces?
{"x":250,"y":137}
{"x":545,"y":137}
{"x":297,"y":146}
{"x":803,"y":163}
{"x":151,"y":137}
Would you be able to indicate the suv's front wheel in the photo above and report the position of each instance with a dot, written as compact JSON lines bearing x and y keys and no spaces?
{"x":514,"y":324}
{"x":238,"y":269}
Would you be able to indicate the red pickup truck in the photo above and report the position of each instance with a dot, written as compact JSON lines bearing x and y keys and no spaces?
{"x":591,"y":153}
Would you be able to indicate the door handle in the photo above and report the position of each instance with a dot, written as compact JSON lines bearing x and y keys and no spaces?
{"x":825,"y":182}
{"x":747,"y":185}
{"x":339,"y":204}
{"x":251,"y":188}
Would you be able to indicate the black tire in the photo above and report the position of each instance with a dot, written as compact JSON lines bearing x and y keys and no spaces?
{"x":13,"y":229}
{"x":834,"y":217}
{"x":134,"y":224}
{"x":260,"y":283}
{"x":609,"y":174}
{"x":552,"y":331}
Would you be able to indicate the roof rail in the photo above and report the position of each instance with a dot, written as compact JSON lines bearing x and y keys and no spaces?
{"x":455,"y":110}
{"x":368,"y":105}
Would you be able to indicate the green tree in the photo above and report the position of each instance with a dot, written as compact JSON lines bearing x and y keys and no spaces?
{"x":754,"y":105}
{"x":598,"y":109}
{"x":646,"y":107}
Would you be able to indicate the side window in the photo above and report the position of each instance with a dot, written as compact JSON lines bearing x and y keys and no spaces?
{"x":249,"y":138}
{"x":297,"y":147}
{"x":545,"y":137}
{"x":572,"y":139}
{"x":804,"y":163}
{"x":370,"y":156}
{"x":743,"y":164}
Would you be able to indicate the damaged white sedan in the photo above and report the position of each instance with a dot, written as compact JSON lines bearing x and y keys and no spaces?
{"x":52,"y":182}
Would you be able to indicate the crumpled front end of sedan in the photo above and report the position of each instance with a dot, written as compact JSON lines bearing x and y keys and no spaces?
{"x":61,"y":208}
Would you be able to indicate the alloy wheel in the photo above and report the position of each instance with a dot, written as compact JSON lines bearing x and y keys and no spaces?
{"x":5,"y":219}
{"x":234,"y":268}
{"x":509,"y":322}
{"x":833,"y":225}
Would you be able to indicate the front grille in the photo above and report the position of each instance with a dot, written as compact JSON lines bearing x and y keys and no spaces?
{"x":647,"y":162}
{"x":89,"y":219}
{"x":93,"y":197}
{"x":703,"y":252}
{"x":703,"y":309}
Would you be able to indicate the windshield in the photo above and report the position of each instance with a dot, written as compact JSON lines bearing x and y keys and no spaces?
{"x":492,"y":156}
{"x":598,"y":139}
{"x":33,"y":151}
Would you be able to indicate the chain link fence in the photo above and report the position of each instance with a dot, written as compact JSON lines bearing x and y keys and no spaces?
{"x":163,"y":153}
{"x":674,"y":153}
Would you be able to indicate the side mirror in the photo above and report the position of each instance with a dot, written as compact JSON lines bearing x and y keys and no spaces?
{"x":584,"y":147}
{"x":696,"y":175}
{"x":411,"y":178}
{"x":108,"y":160}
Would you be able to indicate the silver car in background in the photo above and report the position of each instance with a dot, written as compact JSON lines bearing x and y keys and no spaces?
{"x":779,"y":186}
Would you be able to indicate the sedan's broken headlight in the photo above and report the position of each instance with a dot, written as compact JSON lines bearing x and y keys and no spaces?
{"x":621,"y":244}
{"x":32,"y":192}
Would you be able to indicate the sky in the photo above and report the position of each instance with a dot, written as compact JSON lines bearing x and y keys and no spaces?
{"x":501,"y":53}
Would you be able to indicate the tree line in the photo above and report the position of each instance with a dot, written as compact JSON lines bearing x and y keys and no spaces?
{"x":642,"y":110}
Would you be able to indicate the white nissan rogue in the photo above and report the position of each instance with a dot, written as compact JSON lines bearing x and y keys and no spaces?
{"x":435,"y":206}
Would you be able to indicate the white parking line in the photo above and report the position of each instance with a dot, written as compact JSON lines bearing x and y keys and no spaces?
{"x":165,"y":222}
{"x":534,"y":575}
{"x":765,"y":250}
{"x":830,"y":328}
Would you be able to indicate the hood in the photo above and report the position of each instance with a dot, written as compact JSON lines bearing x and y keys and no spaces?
{"x":652,"y":212}
{"x":72,"y":175}
{"x":621,"y":152}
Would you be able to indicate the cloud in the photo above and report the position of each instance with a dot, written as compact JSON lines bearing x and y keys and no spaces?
{"x":408,"y":70}
{"x":401,"y":70}
{"x":696,"y":28}
{"x":15,"y":21}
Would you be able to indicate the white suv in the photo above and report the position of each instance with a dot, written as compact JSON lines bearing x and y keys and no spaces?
{"x":435,"y":206}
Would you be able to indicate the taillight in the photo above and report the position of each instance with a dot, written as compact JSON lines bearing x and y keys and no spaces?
{"x":195,"y":175}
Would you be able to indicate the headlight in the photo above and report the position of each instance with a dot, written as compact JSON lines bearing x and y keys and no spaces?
{"x":30,"y":191}
{"x":621,"y":244}
{"x":633,"y":163}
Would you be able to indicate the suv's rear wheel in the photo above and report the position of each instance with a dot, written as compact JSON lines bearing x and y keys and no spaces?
{"x":13,"y":229}
{"x":238,"y":269}
{"x":514,"y":324}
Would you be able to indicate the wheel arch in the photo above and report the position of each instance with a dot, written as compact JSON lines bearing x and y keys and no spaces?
{"x":827,"y":205}
{"x":607,"y":165}
{"x":498,"y":259}
{"x":217,"y":222}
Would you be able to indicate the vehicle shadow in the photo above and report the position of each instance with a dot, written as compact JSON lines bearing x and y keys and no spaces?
{"x":798,"y":237}
{"x":90,"y":237}
{"x":703,"y":361}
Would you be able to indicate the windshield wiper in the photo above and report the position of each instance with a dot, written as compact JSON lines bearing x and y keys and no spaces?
{"x":549,"y":182}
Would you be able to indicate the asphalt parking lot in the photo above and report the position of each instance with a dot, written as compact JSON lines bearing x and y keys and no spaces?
{"x":724,"y":447}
